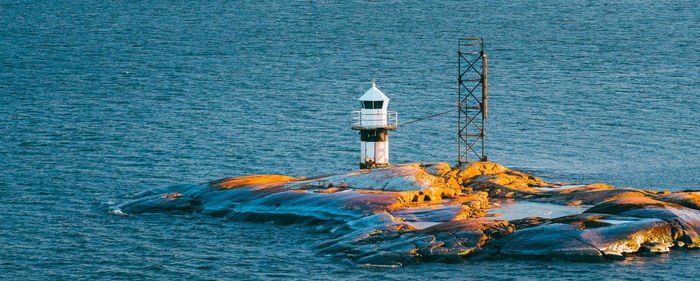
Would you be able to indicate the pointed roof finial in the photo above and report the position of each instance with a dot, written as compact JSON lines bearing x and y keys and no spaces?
{"x":374,"y":94}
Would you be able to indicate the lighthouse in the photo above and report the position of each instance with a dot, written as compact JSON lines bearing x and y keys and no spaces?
{"x":374,"y":122}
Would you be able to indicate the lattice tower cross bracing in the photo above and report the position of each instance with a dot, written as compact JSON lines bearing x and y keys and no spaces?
{"x":472,"y":97}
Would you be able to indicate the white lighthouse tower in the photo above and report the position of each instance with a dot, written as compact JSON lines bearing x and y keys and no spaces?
{"x":374,"y":123}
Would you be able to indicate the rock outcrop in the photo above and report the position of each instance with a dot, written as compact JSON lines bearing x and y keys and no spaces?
{"x":431,"y":212}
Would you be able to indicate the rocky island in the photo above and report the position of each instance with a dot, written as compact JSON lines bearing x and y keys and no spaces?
{"x":432,"y":212}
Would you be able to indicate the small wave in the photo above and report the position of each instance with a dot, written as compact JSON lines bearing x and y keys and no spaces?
{"x":117,"y":211}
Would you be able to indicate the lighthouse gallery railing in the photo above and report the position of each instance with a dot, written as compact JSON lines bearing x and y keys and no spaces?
{"x":391,"y":118}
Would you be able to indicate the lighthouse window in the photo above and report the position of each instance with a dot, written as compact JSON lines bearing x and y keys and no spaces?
{"x":372,"y":104}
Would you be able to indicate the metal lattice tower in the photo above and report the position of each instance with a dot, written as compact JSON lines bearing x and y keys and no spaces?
{"x":472,"y":98}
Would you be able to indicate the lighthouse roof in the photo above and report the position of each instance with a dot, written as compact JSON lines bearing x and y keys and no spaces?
{"x":374,"y":94}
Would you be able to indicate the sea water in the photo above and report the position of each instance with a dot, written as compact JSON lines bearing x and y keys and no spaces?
{"x":100,"y":100}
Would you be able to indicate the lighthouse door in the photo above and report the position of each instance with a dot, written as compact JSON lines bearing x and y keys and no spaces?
{"x":381,"y":152}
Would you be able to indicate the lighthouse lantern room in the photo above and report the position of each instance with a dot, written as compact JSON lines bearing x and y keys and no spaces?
{"x":374,"y":123}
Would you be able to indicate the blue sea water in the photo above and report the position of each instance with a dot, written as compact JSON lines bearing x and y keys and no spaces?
{"x":102,"y":99}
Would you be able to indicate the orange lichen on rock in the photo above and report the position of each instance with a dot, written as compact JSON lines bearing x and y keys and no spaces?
{"x":169,"y":195}
{"x":589,"y":194}
{"x":497,"y":180}
{"x":621,"y":205}
{"x":687,"y":199}
{"x":472,"y":169}
{"x":438,"y":169}
{"x":596,"y":186}
{"x":501,"y":191}
{"x":248,"y":180}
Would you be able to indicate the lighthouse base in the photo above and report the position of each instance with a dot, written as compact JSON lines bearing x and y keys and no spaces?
{"x":372,"y":165}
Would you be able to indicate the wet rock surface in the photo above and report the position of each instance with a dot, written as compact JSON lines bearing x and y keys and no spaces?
{"x":431,"y":212}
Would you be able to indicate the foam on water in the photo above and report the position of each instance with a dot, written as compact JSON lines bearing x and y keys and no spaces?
{"x":117,"y":211}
